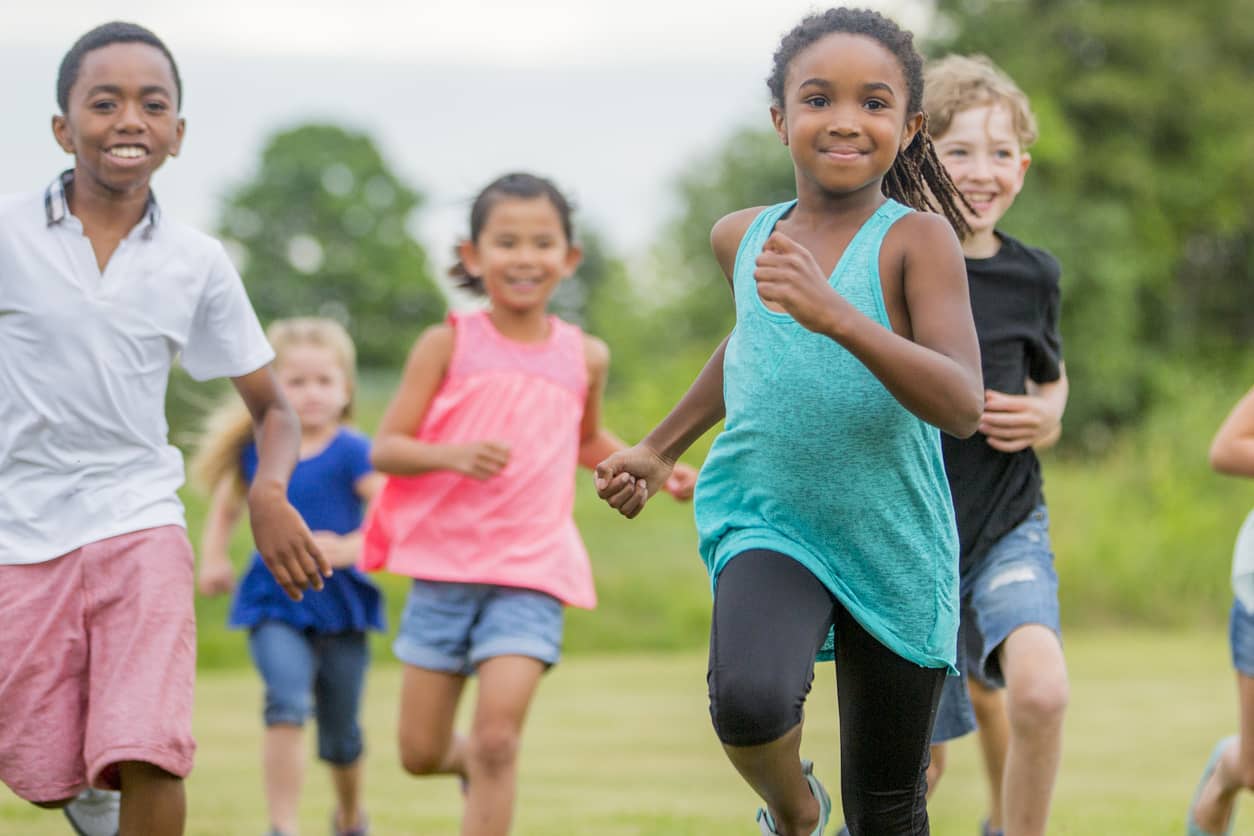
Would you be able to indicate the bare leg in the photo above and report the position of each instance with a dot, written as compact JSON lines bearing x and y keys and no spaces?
{"x":425,"y":734}
{"x":1233,"y":772}
{"x":347,"y":781}
{"x":774,"y":771}
{"x":153,"y":801}
{"x":936,"y":767}
{"x":283,"y":769}
{"x":994,"y":731}
{"x":506,"y":686}
{"x":1037,"y":691}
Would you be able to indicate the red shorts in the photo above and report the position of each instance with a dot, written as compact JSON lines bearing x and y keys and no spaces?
{"x":97,"y":664}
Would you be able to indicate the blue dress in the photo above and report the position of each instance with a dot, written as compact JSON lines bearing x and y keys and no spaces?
{"x":819,"y":462}
{"x":322,"y":490}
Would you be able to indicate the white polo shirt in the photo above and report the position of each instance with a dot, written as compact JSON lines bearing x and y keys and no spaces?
{"x":84,"y":362}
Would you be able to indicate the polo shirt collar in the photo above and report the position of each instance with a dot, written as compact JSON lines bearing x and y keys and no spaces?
{"x":57,"y":203}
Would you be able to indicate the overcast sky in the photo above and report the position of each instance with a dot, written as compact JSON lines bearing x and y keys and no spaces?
{"x":612,"y":99}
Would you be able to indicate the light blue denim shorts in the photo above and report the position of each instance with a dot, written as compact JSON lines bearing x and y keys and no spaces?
{"x":1241,"y":637}
{"x":453,"y":627}
{"x":1014,"y":584}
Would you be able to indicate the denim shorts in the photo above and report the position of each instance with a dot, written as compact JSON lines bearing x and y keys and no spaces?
{"x":1241,"y":637}
{"x":313,"y":673}
{"x":453,"y":627}
{"x":1013,"y":585}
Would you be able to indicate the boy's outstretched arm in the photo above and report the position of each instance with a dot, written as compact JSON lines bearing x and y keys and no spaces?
{"x":281,"y":536}
{"x":1232,"y":451}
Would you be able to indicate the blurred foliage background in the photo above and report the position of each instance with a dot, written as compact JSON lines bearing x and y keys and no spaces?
{"x":1140,"y":185}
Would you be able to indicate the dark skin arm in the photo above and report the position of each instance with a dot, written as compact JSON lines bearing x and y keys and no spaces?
{"x":628,"y":478}
{"x":282,"y":538}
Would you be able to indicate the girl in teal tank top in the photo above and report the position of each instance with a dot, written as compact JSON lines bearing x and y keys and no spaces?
{"x":823,"y":510}
{"x":840,"y":477}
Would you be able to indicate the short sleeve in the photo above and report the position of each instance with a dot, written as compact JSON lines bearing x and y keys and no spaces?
{"x":1045,"y":352}
{"x":225,"y":339}
{"x":356,"y":455}
{"x":248,"y":462}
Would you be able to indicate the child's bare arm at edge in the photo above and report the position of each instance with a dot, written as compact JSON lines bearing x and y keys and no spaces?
{"x":1016,"y":422}
{"x":628,"y":478}
{"x":596,"y":442}
{"x":1232,"y":451}
{"x":396,"y":451}
{"x":281,"y":536}
{"x":226,"y":507}
{"x":930,"y":359}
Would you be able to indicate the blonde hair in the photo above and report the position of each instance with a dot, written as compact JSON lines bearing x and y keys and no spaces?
{"x":960,"y":82}
{"x":229,"y":428}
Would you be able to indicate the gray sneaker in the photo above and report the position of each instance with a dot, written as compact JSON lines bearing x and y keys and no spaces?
{"x":94,"y":812}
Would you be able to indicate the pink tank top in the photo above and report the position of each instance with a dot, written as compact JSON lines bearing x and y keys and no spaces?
{"x":516,"y":528}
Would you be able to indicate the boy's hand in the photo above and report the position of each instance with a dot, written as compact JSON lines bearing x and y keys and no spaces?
{"x":788,"y":276}
{"x":340,"y":551}
{"x":682,"y":482}
{"x":479,"y":460}
{"x":217,"y":577}
{"x":629,"y":477}
{"x":286,"y":546}
{"x":1016,"y":422}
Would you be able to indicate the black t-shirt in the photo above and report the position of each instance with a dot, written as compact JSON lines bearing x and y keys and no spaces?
{"x":1014,"y":298}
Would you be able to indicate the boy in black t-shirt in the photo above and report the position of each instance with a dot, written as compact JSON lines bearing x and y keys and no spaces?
{"x":1009,"y":637}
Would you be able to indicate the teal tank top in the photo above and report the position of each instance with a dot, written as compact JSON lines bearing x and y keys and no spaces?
{"x":819,"y":462}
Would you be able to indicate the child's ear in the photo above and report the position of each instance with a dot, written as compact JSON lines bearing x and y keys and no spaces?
{"x":61,"y":132}
{"x":574,"y":255}
{"x":780,"y":123}
{"x":469,"y":255}
{"x":912,"y":127}
{"x":177,"y":144}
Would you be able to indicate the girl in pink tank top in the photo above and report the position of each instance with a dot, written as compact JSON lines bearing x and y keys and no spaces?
{"x":495,"y":411}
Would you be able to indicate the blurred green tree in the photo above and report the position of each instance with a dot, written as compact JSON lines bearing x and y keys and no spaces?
{"x":321,"y":229}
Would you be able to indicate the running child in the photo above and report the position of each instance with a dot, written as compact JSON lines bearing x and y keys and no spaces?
{"x":982,"y":125}
{"x":495,"y":410}
{"x":1231,"y":766}
{"x":313,"y":653}
{"x":823,"y":509}
{"x":99,"y":293}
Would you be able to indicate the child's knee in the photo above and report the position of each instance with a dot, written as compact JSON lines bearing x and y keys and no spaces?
{"x":1039,"y":704}
{"x":749,"y":710}
{"x":420,"y":757}
{"x":494,"y":749}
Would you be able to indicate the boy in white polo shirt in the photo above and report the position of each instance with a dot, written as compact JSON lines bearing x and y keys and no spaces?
{"x":98,"y":295}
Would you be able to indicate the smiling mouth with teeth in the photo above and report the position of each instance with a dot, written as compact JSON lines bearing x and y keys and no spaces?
{"x":129,"y":152}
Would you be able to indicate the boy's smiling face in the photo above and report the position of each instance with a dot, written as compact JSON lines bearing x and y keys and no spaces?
{"x":122,"y":120}
{"x":982,"y":153}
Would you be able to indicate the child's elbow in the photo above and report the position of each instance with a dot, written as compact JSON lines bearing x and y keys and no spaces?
{"x":380,"y":458}
{"x":966,"y":414}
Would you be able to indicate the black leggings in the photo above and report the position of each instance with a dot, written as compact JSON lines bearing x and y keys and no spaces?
{"x":771,"y":616}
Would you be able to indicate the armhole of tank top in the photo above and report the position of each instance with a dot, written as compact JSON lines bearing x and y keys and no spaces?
{"x":896,"y":211}
{"x":575,"y":335}
{"x":462,"y":323}
{"x":767,"y":217}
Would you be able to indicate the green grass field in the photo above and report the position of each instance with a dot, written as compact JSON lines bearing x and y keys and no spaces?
{"x":620,"y":745}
